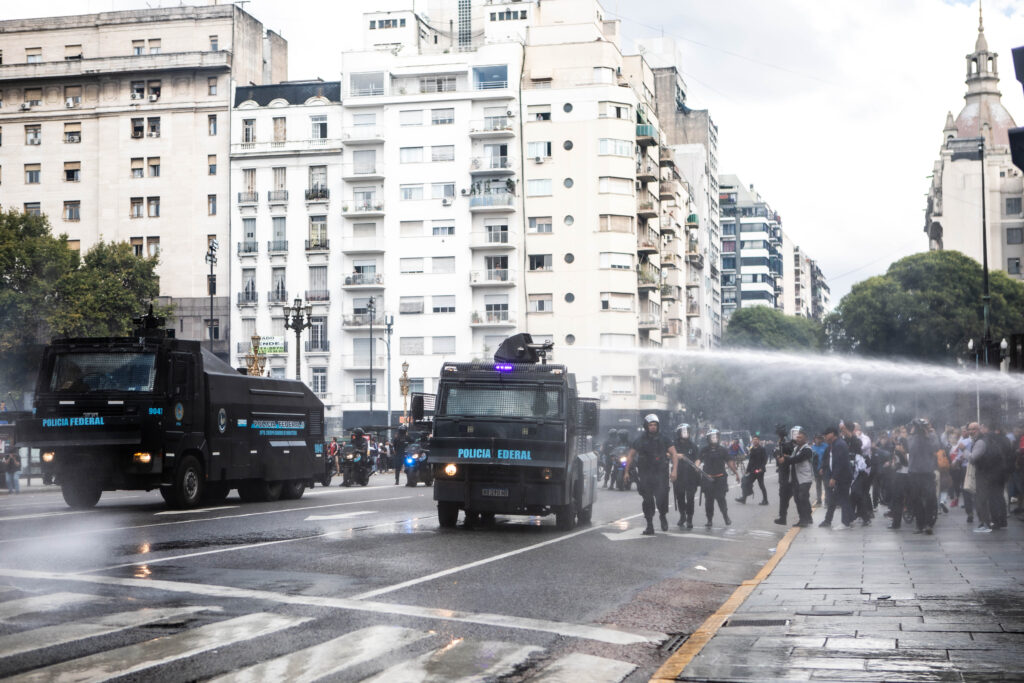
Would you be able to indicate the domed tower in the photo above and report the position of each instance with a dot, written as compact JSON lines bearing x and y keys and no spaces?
{"x":983,"y":114}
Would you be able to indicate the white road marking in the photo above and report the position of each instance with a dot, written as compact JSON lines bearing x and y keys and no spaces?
{"x":327,"y":659}
{"x":583,"y":667}
{"x":69,"y":632}
{"x":341,"y":515}
{"x":43,"y":603}
{"x":132,"y":659}
{"x":599,"y":633}
{"x":478,"y":563}
{"x":188,"y":512}
{"x":42,"y":515}
{"x":637,"y":533}
{"x":460,"y":661}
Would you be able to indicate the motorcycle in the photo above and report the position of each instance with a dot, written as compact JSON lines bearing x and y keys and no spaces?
{"x":355,"y":468}
{"x":619,"y":461}
{"x":417,"y":468}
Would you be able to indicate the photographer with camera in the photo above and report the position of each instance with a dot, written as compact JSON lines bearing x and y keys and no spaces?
{"x":783,"y":449}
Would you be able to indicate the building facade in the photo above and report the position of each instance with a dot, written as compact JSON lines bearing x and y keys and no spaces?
{"x":117,"y":129}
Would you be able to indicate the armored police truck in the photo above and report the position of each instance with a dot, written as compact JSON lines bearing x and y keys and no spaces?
{"x":151,"y":411}
{"x":510,"y":437}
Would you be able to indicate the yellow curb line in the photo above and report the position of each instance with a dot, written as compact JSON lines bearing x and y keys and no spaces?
{"x":681,"y":658}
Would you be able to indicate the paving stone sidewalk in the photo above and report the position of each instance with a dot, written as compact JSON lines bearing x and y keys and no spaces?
{"x":872,"y":604}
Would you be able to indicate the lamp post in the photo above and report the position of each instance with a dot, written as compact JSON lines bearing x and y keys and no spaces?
{"x":389,"y":322}
{"x":371,"y":309}
{"x":403,"y":384}
{"x":298,"y":318}
{"x":977,"y":392}
{"x":211,"y":285}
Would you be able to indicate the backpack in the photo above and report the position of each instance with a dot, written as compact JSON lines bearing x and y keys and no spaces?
{"x":943,"y":460}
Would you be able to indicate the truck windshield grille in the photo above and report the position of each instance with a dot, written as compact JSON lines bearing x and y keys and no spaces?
{"x":501,"y":401}
{"x":86,"y":372}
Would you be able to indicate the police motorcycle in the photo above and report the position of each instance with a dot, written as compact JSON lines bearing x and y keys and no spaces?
{"x":619,"y":462}
{"x":417,"y":468}
{"x":355,"y":463}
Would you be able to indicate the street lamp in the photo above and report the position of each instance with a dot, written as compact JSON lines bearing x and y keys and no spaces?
{"x":211,"y":285}
{"x":403,"y":384}
{"x":389,"y":322}
{"x":298,"y":318}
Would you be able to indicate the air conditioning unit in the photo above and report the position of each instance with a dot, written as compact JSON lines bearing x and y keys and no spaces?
{"x":446,"y":202}
{"x":474,"y":276}
{"x":538,"y":160}
{"x":25,"y":106}
{"x":464,"y":192}
{"x":137,"y":134}
{"x":511,"y":113}
{"x":69,"y":103}
{"x":154,"y":135}
{"x":154,"y":98}
{"x":136,"y":96}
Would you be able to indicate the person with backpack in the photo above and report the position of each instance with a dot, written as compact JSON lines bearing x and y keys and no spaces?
{"x":12,"y":468}
{"x":987,"y":458}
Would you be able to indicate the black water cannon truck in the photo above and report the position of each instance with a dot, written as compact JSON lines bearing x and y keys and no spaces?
{"x":154,"y":412}
{"x":511,"y":437}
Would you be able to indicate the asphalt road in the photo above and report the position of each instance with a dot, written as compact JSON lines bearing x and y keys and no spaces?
{"x":354,"y":584}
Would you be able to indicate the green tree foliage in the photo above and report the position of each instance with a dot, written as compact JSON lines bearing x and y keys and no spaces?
{"x":763,"y":327}
{"x":927,"y":306}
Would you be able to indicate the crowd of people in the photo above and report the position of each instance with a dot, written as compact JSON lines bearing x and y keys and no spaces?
{"x":915,"y":471}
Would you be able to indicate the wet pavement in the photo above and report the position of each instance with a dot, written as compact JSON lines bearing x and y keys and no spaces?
{"x":872,"y":604}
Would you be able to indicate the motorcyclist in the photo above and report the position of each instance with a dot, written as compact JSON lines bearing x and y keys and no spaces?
{"x":655,"y":456}
{"x":398,"y":446}
{"x":687,"y":475}
{"x":714,"y":459}
{"x":361,"y":447}
{"x":607,"y":450}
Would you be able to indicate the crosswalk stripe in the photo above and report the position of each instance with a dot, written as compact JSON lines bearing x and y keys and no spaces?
{"x":329,"y":658}
{"x":132,"y":659}
{"x":62,"y":634}
{"x":461,"y":661}
{"x":583,"y":667}
{"x":43,"y":603}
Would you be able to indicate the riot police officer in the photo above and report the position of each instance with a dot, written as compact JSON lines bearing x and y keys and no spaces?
{"x":654,"y":455}
{"x":607,"y":462}
{"x":687,"y":475}
{"x":398,"y":446}
{"x":714,"y":459}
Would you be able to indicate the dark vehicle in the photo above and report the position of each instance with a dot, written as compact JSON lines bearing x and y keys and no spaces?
{"x":417,"y":468}
{"x":356,"y":465}
{"x":151,"y":411}
{"x":618,"y":481}
{"x":510,"y":437}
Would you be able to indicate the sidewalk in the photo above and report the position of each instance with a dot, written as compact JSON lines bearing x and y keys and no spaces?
{"x":871,"y":604}
{"x":36,"y":486}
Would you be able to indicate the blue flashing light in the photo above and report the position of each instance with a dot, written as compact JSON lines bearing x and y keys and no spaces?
{"x":410,"y":461}
{"x":503,"y":367}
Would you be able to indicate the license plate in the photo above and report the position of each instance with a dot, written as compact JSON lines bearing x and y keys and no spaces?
{"x":495,"y":493}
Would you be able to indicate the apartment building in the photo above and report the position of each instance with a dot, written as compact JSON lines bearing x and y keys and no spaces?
{"x":117,"y":129}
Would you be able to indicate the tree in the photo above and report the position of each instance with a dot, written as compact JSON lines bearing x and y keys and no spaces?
{"x":927,"y":306}
{"x":763,"y":327}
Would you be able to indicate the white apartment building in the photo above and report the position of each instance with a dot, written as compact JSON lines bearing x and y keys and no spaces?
{"x":117,"y":129}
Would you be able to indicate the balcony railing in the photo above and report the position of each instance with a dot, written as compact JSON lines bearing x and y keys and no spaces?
{"x":362,"y":361}
{"x":646,"y":133}
{"x":313,"y":345}
{"x":648,"y":242}
{"x":692,"y":308}
{"x":492,"y":318}
{"x":670,"y":292}
{"x":318,"y":295}
{"x":248,"y":298}
{"x":277,"y":195}
{"x":647,"y":275}
{"x":277,"y":246}
{"x":318,"y":244}
{"x":491,"y":238}
{"x":277,"y":296}
{"x":248,"y":247}
{"x":491,"y":124}
{"x":362,"y":206}
{"x":367,"y":134}
{"x":494,"y":199}
{"x":490,"y":85}
{"x":253,"y":147}
{"x":362,"y":320}
{"x":364,"y":279}
{"x":648,"y":321}
{"x":250,"y":197}
{"x":672,"y":328}
{"x":492,"y":276}
{"x":317,"y":192}
{"x":219,"y":59}
{"x":490,"y":163}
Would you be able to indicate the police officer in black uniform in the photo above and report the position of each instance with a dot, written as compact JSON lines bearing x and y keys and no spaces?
{"x":398,"y":446}
{"x":687,"y":475}
{"x":714,"y":459}
{"x":607,"y":449}
{"x":785,"y":470}
{"x":654,"y":455}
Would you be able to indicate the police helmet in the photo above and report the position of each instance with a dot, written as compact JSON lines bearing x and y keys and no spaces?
{"x":624,"y":435}
{"x":713,"y":436}
{"x":683,"y":430}
{"x":649,"y":418}
{"x":612,"y":431}
{"x":797,"y":429}
{"x":358,"y":433}
{"x":402,"y":429}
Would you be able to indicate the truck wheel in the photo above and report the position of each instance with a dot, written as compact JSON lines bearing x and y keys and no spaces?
{"x":585,"y":515}
{"x":565,"y":517}
{"x":293,"y":490}
{"x":272,"y":490}
{"x":447,"y":515}
{"x":259,"y":491}
{"x":471,"y":519}
{"x":326,"y":479}
{"x":81,"y":495}
{"x":187,"y":490}
{"x":215,"y":492}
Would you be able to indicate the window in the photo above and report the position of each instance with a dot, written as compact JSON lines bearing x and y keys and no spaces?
{"x":317,"y":177}
{"x":153,"y":126}
{"x":137,"y":90}
{"x":538,"y":149}
{"x":410,"y":346}
{"x":138,"y":127}
{"x":615,"y":185}
{"x":410,"y":117}
{"x":154,"y":89}
{"x":153,"y":247}
{"x":32,"y":209}
{"x":604,"y":74}
{"x":212,"y":328}
{"x":1015,"y":235}
{"x":617,"y":341}
{"x":437,"y":84}
{"x":33,"y":55}
{"x":32,"y":172}
{"x":72,"y":95}
{"x":442,"y":153}
{"x":154,"y":167}
{"x":1013,"y":266}
{"x":410,"y":265}
{"x":442,"y":190}
{"x":138,"y":47}
{"x":73,"y":132}
{"x":72,"y":171}
{"x":442,"y":264}
{"x":441,"y":345}
{"x":211,"y":164}
{"x":538,"y":112}
{"x":211,"y":205}
{"x":318,"y":233}
{"x":211,"y":85}
{"x":410,"y":228}
{"x":72,"y":211}
{"x":33,"y":96}
{"x":319,"y":125}
{"x":1012,"y":206}
{"x":616,"y":301}
{"x":410,"y":155}
{"x":538,"y":188}
{"x":442,"y":229}
{"x":615,"y":223}
{"x":153,"y":206}
{"x":540,"y":262}
{"x":319,"y":377}
{"x":154,"y":46}
{"x":442,"y":117}
{"x":540,"y":224}
{"x":622,"y":148}
{"x":137,"y":246}
{"x":366,"y":84}
{"x":616,"y":260}
{"x":248,"y":130}
{"x":410,"y":305}
{"x":280,"y":129}
{"x":490,"y":77}
{"x":136,"y":208}
{"x":211,"y":124}
{"x":33,"y":135}
{"x":411,"y":192}
{"x":214,"y":44}
{"x":442,"y":303}
{"x":539,"y":303}
{"x":364,"y":388}
{"x":249,"y":179}
{"x":364,"y":119}
{"x":280,"y":177}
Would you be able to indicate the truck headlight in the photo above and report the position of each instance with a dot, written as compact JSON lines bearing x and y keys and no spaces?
{"x":142,"y":458}
{"x":546,"y":473}
{"x":450,"y":469}
{"x":48,"y":456}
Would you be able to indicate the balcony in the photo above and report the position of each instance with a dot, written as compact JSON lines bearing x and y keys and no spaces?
{"x":669,"y":188}
{"x":491,"y":165}
{"x":364,"y":281}
{"x":318,"y":295}
{"x":248,"y":298}
{"x":248,"y":247}
{"x":669,"y":222}
{"x":646,"y":205}
{"x":494,"y":202}
{"x":318,"y":193}
{"x":363,"y":361}
{"x":363,"y":135}
{"x":363,"y":208}
{"x":250,"y":197}
{"x":713,"y":267}
{"x":493,"y":277}
{"x":70,"y":68}
{"x":320,"y":244}
{"x":670,"y":292}
{"x":357,"y":320}
{"x":362,"y":245}
{"x":491,"y":127}
{"x":646,"y":172}
{"x":277,"y":196}
{"x":670,"y":259}
{"x":277,"y":296}
{"x":277,"y":247}
{"x":672,"y":328}
{"x":648,"y":244}
{"x":492,"y":239}
{"x":318,"y":346}
{"x":284,"y":147}
{"x":692,"y":221}
{"x":692,"y":308}
{"x":666,"y":157}
{"x":648,"y":321}
{"x":646,"y":134}
{"x":647,"y":277}
{"x":363,"y":171}
{"x":492,"y":319}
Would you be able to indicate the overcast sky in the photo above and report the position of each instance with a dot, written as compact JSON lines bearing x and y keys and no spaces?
{"x":832,"y":109}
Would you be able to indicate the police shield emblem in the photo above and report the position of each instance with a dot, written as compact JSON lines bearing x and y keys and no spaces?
{"x":222,"y":420}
